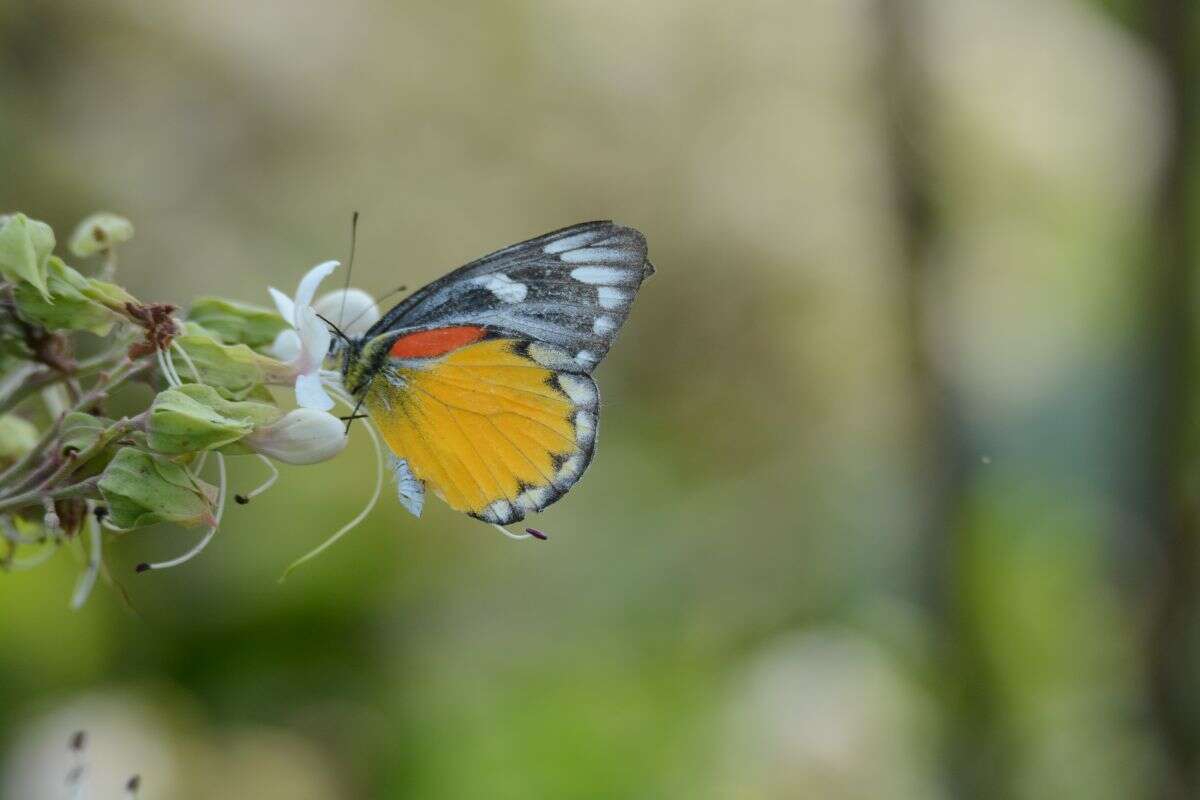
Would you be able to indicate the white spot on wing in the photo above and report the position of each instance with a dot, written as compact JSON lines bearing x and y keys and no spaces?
{"x":572,"y":467}
{"x":585,"y":427}
{"x":611,"y":297}
{"x":591,"y":254}
{"x":569,"y":242}
{"x":503,"y":287}
{"x":604,"y":325}
{"x":586,"y":357}
{"x":549,"y":356}
{"x":581,"y":390}
{"x":535,"y":498}
{"x":599,"y":274}
{"x":500,"y":513}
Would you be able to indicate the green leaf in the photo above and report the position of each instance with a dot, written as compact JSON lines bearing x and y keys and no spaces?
{"x":70,"y":303}
{"x":142,"y":489}
{"x":98,"y":233}
{"x":25,"y":245}
{"x":237,"y":323}
{"x":196,"y":417}
{"x":233,"y":370}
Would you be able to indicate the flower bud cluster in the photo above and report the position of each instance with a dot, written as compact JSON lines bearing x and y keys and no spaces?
{"x":68,"y":464}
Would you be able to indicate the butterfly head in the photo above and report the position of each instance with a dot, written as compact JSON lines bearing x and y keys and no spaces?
{"x":361,"y":360}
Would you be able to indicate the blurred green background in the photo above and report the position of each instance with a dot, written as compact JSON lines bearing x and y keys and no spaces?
{"x":895,"y":495}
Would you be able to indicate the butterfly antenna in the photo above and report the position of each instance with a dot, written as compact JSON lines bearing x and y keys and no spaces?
{"x":397,"y":290}
{"x":335,"y":329}
{"x":349,"y":263}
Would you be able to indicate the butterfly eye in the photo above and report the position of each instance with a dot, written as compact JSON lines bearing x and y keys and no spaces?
{"x":339,"y":338}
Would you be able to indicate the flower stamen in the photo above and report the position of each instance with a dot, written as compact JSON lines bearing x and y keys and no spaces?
{"x":208,"y":535}
{"x":242,"y":499}
{"x":168,"y":370}
{"x":87,"y":580}
{"x":354,"y":523}
{"x":50,"y":547}
{"x":191,"y":364}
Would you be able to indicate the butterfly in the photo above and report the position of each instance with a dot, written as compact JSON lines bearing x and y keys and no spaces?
{"x":481,"y":382}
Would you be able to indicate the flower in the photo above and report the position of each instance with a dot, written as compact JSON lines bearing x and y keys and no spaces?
{"x":141,"y":489}
{"x":352,"y":310}
{"x":98,"y":233}
{"x":25,"y":246}
{"x":302,"y":436}
{"x":194,"y":417}
{"x":306,"y":344}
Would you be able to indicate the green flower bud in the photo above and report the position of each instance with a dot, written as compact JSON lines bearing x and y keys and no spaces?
{"x":80,"y":434}
{"x":196,"y":417}
{"x":179,"y":424}
{"x":98,"y":233}
{"x":73,"y":302}
{"x":25,"y":245}
{"x":302,"y":436}
{"x":235,"y":371}
{"x":237,"y":323}
{"x":17,"y":438}
{"x":109,"y":295}
{"x":81,"y":431}
{"x":142,"y":489}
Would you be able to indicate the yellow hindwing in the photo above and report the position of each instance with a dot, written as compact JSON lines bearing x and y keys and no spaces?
{"x":497,"y":428}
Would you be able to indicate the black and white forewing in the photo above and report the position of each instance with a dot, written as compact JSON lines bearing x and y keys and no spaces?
{"x":571,"y":288}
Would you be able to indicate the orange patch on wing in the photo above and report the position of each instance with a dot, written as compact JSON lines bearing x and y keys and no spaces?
{"x":436,"y":342}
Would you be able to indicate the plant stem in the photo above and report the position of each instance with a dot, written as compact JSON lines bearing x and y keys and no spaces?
{"x":109,"y":270}
{"x":13,"y":392}
{"x":35,"y":496}
{"x":97,"y":392}
{"x":36,"y":477}
{"x":1172,"y":502}
{"x":16,"y":380}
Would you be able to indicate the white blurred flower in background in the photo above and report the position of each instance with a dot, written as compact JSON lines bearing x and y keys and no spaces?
{"x":827,"y":714}
{"x":154,"y":736}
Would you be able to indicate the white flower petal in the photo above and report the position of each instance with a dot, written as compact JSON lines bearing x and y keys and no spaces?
{"x":284,"y":304}
{"x":286,"y":345}
{"x":309,"y":283}
{"x":302,"y":436}
{"x":314,"y":339}
{"x":311,"y":394}
{"x":352,"y":310}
